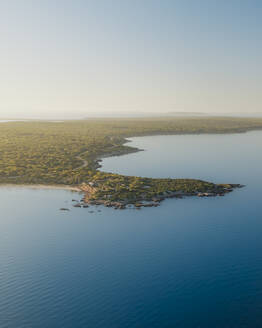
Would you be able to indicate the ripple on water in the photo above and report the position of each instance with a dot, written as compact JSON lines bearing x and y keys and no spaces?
{"x":189,"y":263}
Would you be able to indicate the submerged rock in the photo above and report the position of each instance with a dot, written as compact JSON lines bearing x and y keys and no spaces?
{"x":77,"y":205}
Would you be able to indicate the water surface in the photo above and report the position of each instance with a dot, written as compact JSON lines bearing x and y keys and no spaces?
{"x":188,"y":263}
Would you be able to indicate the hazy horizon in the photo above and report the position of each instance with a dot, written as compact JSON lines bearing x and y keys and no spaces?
{"x":127,"y":115}
{"x":77,"y":59}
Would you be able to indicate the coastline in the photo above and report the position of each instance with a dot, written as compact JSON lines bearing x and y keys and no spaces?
{"x":113,"y":190}
{"x":41,"y":186}
{"x":145,"y":196}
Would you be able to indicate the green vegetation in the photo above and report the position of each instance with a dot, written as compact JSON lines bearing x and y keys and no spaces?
{"x":118,"y":190}
{"x":68,"y":153}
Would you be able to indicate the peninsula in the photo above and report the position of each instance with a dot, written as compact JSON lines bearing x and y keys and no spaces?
{"x":69,"y":154}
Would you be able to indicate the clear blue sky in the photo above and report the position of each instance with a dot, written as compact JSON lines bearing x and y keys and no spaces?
{"x":100,"y":56}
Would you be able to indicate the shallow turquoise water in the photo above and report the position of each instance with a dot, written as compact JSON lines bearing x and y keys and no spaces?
{"x":188,"y":263}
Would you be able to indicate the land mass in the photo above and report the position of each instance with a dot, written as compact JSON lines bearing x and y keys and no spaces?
{"x":69,"y":154}
{"x":121,"y":192}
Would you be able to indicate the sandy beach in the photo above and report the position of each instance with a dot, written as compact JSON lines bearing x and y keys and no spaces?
{"x":40,"y":186}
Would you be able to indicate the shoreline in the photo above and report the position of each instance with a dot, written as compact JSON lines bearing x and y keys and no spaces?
{"x":90,"y":197}
{"x":41,"y":186}
{"x":133,"y":149}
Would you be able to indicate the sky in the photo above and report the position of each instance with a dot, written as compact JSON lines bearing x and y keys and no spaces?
{"x":79,"y":58}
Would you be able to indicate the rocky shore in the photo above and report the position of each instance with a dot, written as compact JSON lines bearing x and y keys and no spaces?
{"x":90,"y":198}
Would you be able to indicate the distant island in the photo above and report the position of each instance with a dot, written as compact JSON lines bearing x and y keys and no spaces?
{"x":68,"y":154}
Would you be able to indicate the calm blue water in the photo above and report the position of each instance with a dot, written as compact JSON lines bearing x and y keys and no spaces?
{"x":188,"y":263}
